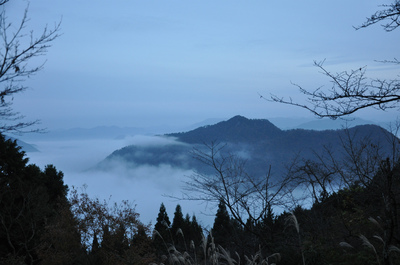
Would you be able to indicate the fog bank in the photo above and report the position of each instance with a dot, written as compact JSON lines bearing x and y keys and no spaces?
{"x":145,"y":186}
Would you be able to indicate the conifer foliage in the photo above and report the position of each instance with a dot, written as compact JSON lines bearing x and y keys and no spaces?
{"x":183,"y":234}
{"x":222,"y":228}
{"x":31,"y":201}
{"x":162,"y":227}
{"x":177,"y":227}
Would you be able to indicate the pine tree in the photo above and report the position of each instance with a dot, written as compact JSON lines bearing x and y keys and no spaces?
{"x":222,"y":229}
{"x":196,"y":231}
{"x":177,"y":225}
{"x":163,"y":230}
{"x":186,"y":228}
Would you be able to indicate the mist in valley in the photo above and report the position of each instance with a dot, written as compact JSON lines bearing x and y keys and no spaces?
{"x":144,"y":185}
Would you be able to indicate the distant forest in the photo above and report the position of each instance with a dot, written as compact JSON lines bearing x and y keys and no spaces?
{"x":257,"y":142}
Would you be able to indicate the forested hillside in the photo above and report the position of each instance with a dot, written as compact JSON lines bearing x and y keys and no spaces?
{"x":258,"y":143}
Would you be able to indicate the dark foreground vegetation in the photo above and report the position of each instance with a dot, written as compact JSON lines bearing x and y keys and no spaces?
{"x":42,"y":224}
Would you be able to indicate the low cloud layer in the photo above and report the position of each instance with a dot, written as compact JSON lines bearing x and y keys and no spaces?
{"x":147,"y":186}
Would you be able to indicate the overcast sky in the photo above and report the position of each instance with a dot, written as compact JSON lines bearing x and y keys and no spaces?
{"x":141,"y":63}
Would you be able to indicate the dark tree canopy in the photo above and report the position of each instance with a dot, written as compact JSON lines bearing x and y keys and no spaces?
{"x":30,"y":200}
{"x":163,"y":216}
{"x":222,"y":229}
{"x":161,"y":230}
{"x":177,"y":227}
{"x":178,"y":220}
{"x":163,"y":222}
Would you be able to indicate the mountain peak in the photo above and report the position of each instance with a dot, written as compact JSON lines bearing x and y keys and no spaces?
{"x":257,"y":141}
{"x":238,"y":118}
{"x":236,"y":129}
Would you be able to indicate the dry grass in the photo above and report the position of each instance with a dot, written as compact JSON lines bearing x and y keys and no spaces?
{"x":212,"y":255}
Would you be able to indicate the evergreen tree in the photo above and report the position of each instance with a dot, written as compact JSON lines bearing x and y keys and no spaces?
{"x":61,"y":238}
{"x":222,"y":229}
{"x":30,"y":202}
{"x":186,"y":229}
{"x":196,"y":231}
{"x":162,"y":227}
{"x":53,"y":181}
{"x":163,"y":221}
{"x":142,"y":250}
{"x":265,"y":227}
{"x":177,"y":225}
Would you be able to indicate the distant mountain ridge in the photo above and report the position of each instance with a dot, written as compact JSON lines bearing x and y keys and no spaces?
{"x":24,"y":146}
{"x":257,"y":141}
{"x":236,"y":129}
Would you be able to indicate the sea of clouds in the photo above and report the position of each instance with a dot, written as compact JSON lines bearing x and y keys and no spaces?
{"x":146,"y":186}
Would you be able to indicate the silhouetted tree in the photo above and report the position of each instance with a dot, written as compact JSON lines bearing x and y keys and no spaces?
{"x":222,"y":227}
{"x":115,"y":225}
{"x":244,"y":196}
{"x":390,"y":13}
{"x":352,"y":90}
{"x":30,"y":203}
{"x":178,"y":224}
{"x":142,"y":251}
{"x":162,"y":228}
{"x":62,"y":242}
{"x":196,"y":232}
{"x":18,"y":48}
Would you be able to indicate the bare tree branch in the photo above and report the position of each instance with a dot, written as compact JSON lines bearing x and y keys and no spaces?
{"x":356,"y":163}
{"x":246,"y":197}
{"x":17,"y":47}
{"x":391,"y":13}
{"x":350,"y":91}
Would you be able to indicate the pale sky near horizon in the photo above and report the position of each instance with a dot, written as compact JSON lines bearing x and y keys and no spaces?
{"x":143,"y":63}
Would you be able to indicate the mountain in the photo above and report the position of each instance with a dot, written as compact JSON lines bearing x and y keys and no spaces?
{"x":329,"y":124}
{"x":286,"y":123}
{"x":236,"y":129}
{"x":322,"y":124}
{"x":24,"y":146}
{"x":257,"y":141}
